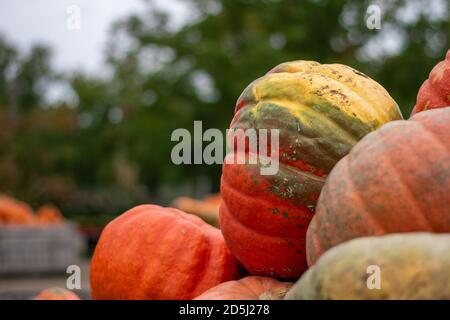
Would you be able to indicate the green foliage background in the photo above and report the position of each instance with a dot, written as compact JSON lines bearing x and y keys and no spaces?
{"x":110,"y":149}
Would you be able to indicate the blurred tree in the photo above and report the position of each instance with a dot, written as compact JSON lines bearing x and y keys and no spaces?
{"x":168,"y":78}
{"x":32,"y":75}
{"x":111,"y":149}
{"x":8,"y":56}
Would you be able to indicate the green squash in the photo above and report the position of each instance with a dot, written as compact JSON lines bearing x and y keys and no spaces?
{"x":396,"y":266}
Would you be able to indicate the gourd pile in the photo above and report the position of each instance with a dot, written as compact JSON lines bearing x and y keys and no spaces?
{"x":14,"y":212}
{"x":357,"y":188}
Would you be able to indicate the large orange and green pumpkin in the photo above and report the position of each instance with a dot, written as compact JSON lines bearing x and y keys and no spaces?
{"x":321,"y":111}
{"x":394,"y":266}
{"x":248,"y":288}
{"x":397,"y":179}
{"x":151,"y":252}
{"x":435,"y":91}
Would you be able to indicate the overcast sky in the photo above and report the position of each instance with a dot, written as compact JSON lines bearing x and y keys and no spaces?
{"x":25,"y":22}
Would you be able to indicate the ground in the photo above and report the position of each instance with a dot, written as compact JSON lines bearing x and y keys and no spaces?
{"x":26,"y":287}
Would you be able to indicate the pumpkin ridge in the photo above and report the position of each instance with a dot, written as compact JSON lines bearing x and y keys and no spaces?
{"x":143,"y":269}
{"x":435,"y":90}
{"x":293,"y":108}
{"x":378,"y":112}
{"x":420,"y":214}
{"x":206,"y":263}
{"x":313,"y":244}
{"x":350,"y":176}
{"x":436,"y":138}
{"x":326,"y":71}
{"x":301,"y":79}
{"x":260,"y":199}
{"x":295,"y":170}
{"x":374,"y":112}
{"x":250,"y":288}
{"x":197,"y":281}
{"x":260,"y":232}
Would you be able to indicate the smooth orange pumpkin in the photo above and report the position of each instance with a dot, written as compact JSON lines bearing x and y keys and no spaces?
{"x":49,"y":214}
{"x":249,"y":288}
{"x":151,"y":252}
{"x":56,"y":293}
{"x":435,"y":91}
{"x":397,"y":179}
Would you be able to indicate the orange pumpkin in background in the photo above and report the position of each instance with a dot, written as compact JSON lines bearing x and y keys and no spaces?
{"x":151,"y":252}
{"x":49,"y":214}
{"x":15,"y":212}
{"x":435,"y":91}
{"x":249,"y":288}
{"x":207,"y":209}
{"x":56,"y":293}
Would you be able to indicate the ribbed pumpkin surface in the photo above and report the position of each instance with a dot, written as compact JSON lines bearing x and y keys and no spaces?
{"x":397,"y":179}
{"x":322,"y":111}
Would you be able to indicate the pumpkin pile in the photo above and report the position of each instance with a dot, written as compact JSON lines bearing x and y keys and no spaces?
{"x":357,"y":189}
{"x":14,"y":212}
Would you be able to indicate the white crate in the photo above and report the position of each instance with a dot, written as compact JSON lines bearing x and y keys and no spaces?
{"x":39,"y":249}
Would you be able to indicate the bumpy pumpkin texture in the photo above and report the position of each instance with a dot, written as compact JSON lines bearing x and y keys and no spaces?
{"x":151,"y":252}
{"x":321,"y":112}
{"x":435,"y":91}
{"x":408,"y":266}
{"x":249,"y":288}
{"x":56,"y":293}
{"x":397,"y":179}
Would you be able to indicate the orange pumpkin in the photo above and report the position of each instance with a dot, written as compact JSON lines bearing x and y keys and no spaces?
{"x":249,"y":288}
{"x":15,"y":212}
{"x":49,"y":214}
{"x":56,"y":293}
{"x":435,"y":91}
{"x":207,"y":209}
{"x":397,"y":179}
{"x":151,"y":252}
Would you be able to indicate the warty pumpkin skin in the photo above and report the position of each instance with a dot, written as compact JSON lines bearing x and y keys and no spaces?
{"x":409,"y":266}
{"x":151,"y":252}
{"x":248,"y":288}
{"x":321,"y":112}
{"x":397,"y":179}
{"x":435,"y":91}
{"x":56,"y":293}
